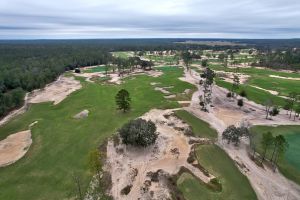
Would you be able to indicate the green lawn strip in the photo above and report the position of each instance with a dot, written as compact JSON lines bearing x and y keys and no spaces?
{"x":283,"y":86}
{"x":289,"y":164}
{"x":61,"y":144}
{"x":254,"y":94}
{"x":122,"y":54}
{"x":95,"y":69}
{"x":235,"y":185}
{"x":199,"y":127}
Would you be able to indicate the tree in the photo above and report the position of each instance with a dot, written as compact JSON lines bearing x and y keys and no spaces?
{"x":240,"y":102}
{"x":95,"y":164}
{"x":280,"y":146}
{"x":139,"y":132}
{"x":187,"y":59}
{"x":123,"y":100}
{"x":266,"y":142}
{"x":205,"y":99}
{"x":204,"y":63}
{"x":268,"y":104}
{"x":235,"y":84}
{"x":233,"y":134}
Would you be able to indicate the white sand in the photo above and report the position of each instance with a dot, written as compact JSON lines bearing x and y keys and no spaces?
{"x":56,"y":91}
{"x":14,"y":147}
{"x":124,"y":165}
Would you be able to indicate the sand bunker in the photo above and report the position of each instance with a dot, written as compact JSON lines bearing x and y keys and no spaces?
{"x":162,"y":90}
{"x":287,"y":78}
{"x":228,"y":76}
{"x":82,"y":114}
{"x":56,"y":91}
{"x":14,"y":147}
{"x":132,"y":167}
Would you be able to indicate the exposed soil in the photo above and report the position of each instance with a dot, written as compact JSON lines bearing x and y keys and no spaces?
{"x":14,"y":147}
{"x":136,"y":167}
{"x":56,"y":91}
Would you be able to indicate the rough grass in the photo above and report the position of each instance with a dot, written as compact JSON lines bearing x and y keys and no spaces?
{"x":61,"y":144}
{"x":289,"y":164}
{"x":235,"y":186}
{"x":199,"y":127}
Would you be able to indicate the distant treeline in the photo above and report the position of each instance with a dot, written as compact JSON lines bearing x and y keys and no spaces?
{"x":289,"y":59}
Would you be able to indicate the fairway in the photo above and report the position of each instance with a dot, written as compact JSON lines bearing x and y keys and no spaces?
{"x":235,"y":186}
{"x":289,"y":165}
{"x":200,"y":128}
{"x":95,"y":69}
{"x":61,"y":144}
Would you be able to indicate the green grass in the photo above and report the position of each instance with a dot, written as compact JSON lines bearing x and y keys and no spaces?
{"x":289,"y":164}
{"x":122,"y":54}
{"x":261,"y":78}
{"x":95,"y":69}
{"x":199,"y":127}
{"x":253,"y":94}
{"x":235,"y":185}
{"x":61,"y":144}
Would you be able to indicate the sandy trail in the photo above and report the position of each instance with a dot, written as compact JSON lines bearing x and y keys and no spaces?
{"x":267,"y":184}
{"x":287,"y":78}
{"x":169,"y":154}
{"x":14,"y":147}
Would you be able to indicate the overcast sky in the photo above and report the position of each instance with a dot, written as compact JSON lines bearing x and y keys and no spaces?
{"x":53,"y":19}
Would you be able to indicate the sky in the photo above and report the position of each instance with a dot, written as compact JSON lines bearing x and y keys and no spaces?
{"x":87,"y":19}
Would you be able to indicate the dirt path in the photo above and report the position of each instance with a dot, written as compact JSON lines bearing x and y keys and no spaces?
{"x":131,"y":166}
{"x":267,"y":184}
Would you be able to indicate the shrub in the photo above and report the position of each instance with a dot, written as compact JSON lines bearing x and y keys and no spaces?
{"x":229,"y":94}
{"x":243,"y":93}
{"x":240,"y":102}
{"x":77,"y":70}
{"x":139,"y":133}
{"x":274,"y":111}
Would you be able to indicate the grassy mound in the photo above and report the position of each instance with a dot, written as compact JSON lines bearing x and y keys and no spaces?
{"x":199,"y":127}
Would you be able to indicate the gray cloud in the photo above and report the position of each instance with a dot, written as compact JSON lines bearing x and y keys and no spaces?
{"x":32,"y":19}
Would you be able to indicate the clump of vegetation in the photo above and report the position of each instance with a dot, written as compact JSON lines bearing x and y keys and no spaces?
{"x":215,"y":185}
{"x":139,"y":132}
{"x":240,"y":103}
{"x":123,"y":100}
{"x":126,"y":190}
{"x":229,"y":95}
{"x":233,"y":134}
{"x":243,"y":93}
{"x":77,"y":70}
